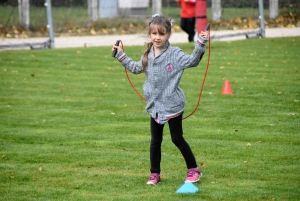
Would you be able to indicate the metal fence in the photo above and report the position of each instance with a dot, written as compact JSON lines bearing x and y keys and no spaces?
{"x":165,"y":3}
{"x":71,"y":17}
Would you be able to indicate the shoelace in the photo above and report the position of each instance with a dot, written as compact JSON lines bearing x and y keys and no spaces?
{"x":152,"y":177}
{"x":191,"y":173}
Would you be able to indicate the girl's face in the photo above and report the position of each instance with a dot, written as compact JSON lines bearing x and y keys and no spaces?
{"x":159,"y":36}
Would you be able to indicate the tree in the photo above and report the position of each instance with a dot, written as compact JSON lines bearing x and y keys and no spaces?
{"x":216,"y":10}
{"x":156,"y":6}
{"x":273,"y":8}
{"x":93,"y":11}
{"x":24,"y":13}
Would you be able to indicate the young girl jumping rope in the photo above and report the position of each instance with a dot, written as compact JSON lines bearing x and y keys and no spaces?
{"x":163,"y":66}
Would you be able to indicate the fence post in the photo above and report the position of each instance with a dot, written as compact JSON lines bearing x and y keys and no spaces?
{"x":201,"y":18}
{"x":50,"y":23}
{"x":24,"y":13}
{"x":262,"y":18}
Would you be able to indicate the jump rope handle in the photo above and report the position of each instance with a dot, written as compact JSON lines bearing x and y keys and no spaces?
{"x":207,"y":27}
{"x":115,"y":49}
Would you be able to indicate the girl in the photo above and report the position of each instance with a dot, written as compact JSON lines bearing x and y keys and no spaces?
{"x":163,"y":66}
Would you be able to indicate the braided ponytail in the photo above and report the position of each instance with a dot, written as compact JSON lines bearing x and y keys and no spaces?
{"x":145,"y":58}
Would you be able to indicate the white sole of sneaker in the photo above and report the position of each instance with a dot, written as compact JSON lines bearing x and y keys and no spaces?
{"x":195,"y":180}
{"x":151,"y":183}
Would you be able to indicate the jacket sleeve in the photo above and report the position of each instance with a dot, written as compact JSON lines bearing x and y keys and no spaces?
{"x":192,"y":60}
{"x":132,"y":66}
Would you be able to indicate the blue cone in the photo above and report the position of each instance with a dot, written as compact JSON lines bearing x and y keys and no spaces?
{"x":187,"y":187}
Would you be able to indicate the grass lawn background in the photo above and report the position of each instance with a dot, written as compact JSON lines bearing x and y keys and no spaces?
{"x":72,"y":128}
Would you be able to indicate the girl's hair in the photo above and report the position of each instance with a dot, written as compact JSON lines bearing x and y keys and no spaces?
{"x":163,"y":25}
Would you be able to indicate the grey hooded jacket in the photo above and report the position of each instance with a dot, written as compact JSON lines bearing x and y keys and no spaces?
{"x":164,"y":98}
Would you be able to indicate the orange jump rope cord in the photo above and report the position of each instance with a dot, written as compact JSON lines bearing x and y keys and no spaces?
{"x":201,"y":89}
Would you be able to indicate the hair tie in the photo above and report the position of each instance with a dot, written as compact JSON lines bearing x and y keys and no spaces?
{"x":157,"y":15}
{"x":153,"y":16}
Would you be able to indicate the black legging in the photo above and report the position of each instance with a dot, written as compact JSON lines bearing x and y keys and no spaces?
{"x":188,"y":25}
{"x":175,"y":126}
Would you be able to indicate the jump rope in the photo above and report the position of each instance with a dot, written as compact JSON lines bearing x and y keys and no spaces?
{"x":203,"y":81}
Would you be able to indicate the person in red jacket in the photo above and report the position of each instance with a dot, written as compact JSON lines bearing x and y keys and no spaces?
{"x":188,"y":17}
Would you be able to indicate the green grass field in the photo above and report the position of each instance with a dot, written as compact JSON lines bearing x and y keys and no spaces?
{"x":72,"y":128}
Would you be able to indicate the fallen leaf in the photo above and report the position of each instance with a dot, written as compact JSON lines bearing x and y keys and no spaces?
{"x":93,"y":32}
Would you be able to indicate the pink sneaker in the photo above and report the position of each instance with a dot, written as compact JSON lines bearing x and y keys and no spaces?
{"x":154,"y":179}
{"x":193,"y":175}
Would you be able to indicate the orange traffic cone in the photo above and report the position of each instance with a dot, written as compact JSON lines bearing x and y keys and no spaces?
{"x":226,"y":88}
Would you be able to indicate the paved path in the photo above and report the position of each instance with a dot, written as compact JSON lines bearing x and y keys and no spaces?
{"x":128,"y":40}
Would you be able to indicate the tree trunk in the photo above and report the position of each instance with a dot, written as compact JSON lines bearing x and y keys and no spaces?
{"x":156,"y":6}
{"x":93,"y":7}
{"x":273,"y":8}
{"x":24,"y":14}
{"x":216,"y":10}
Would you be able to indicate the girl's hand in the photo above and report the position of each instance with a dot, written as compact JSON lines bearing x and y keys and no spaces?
{"x":115,"y":46}
{"x":204,"y":34}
